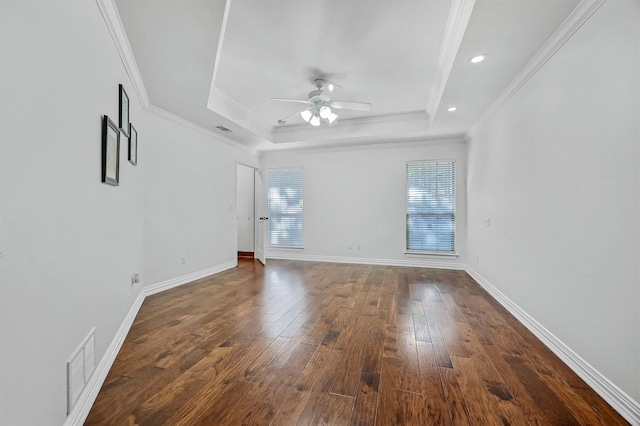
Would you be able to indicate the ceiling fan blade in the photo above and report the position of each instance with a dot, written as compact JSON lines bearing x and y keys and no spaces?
{"x":329,"y":90}
{"x":299,"y":101}
{"x":284,"y":120}
{"x":358,"y":106}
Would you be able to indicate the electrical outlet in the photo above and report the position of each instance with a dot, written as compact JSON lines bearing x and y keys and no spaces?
{"x":184,"y":259}
{"x":350,"y":246}
{"x":135,"y":279}
{"x":359,"y":246}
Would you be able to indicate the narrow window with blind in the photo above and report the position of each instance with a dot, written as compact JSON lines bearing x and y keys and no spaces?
{"x":431,"y":206}
{"x":284,"y":204}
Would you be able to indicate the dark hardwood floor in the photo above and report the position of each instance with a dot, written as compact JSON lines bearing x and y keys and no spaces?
{"x":318,"y":343}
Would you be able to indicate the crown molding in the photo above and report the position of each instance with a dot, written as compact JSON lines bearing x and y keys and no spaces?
{"x":358,"y":121}
{"x":574,"y":21}
{"x":223,"y":30}
{"x":190,"y":124}
{"x":111,"y":16}
{"x":396,"y":126}
{"x":457,"y":23}
{"x":224,"y":105}
{"x":365,"y":144}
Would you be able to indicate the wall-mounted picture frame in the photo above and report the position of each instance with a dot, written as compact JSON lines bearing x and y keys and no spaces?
{"x":110,"y":152}
{"x":133,"y":145}
{"x":124,"y":111}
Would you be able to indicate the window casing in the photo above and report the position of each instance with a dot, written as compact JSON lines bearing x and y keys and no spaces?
{"x":431,"y":207}
{"x":285,"y":207}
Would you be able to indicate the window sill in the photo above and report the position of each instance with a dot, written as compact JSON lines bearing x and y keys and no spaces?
{"x":285,"y":247}
{"x":429,"y":253}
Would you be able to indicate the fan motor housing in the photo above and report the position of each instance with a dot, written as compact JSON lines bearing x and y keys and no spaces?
{"x":315,"y":93}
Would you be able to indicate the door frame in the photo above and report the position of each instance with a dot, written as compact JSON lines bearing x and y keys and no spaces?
{"x":258,"y":250}
{"x":260,"y":227}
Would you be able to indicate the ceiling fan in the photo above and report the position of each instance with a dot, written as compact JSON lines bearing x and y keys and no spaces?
{"x":319,"y":105}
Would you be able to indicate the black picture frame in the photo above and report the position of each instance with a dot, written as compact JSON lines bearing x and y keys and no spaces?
{"x":124,"y":111}
{"x":133,"y":145}
{"x":110,"y":152}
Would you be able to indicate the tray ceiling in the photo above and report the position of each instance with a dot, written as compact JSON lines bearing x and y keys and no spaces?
{"x":219,"y":63}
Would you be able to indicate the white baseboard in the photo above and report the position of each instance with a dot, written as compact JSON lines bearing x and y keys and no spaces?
{"x":86,"y":399}
{"x":411,"y":263}
{"x":88,"y":396}
{"x":176,"y":282}
{"x":618,"y":399}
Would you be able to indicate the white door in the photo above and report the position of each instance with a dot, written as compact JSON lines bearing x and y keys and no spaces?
{"x":261,"y":216}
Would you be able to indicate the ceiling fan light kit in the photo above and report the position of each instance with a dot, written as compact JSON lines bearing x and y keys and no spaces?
{"x":315,"y":121}
{"x":325,"y":111}
{"x":321,"y":107}
{"x":306,"y":115}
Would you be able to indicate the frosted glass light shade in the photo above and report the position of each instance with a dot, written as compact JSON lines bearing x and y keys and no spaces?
{"x":325,"y":112}
{"x":315,"y":121}
{"x":332,"y":118}
{"x":306,"y":115}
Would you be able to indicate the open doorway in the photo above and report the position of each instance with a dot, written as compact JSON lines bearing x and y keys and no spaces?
{"x":246,"y":211}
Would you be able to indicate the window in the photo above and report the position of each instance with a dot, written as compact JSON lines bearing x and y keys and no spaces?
{"x":284,"y":201}
{"x":431,"y":206}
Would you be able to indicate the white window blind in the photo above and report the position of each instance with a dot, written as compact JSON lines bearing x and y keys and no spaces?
{"x":431,"y":206}
{"x":284,"y":199}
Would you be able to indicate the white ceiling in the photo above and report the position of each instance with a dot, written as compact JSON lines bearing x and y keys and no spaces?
{"x":217,"y":62}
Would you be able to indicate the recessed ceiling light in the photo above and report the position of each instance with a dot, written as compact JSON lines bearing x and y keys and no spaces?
{"x":451,"y":109}
{"x":476,"y":59}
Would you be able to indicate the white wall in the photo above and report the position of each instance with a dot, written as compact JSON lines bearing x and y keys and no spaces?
{"x":68,"y":242}
{"x":245,"y":208}
{"x":556,"y":171}
{"x":358,"y":196}
{"x":189,"y":201}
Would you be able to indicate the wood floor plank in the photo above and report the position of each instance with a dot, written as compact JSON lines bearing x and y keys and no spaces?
{"x":228,"y":398}
{"x":483,"y":361}
{"x":372,"y":360}
{"x":545,"y":399}
{"x":320,"y":394}
{"x":366,"y":403}
{"x":299,"y":342}
{"x":281,"y":357}
{"x":488,"y":403}
{"x":455,"y":345}
{"x":439,"y":346}
{"x":349,"y":372}
{"x":311,"y":390}
{"x":408,"y":375}
{"x":337,"y":411}
{"x":454,"y":397}
{"x":255,"y":370}
{"x":421,"y":327}
{"x":431,"y":385}
{"x":262,"y":402}
{"x":604,"y":412}
{"x":521,"y":392}
{"x":397,"y":407}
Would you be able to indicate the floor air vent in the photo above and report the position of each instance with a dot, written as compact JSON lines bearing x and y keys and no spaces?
{"x":80,"y":366}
